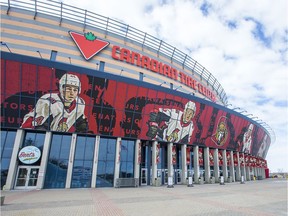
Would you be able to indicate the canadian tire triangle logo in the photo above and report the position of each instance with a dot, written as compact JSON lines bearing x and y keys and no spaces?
{"x":88,"y":44}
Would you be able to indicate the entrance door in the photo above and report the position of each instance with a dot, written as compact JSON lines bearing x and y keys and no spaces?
{"x":143,"y":176}
{"x":27,"y":177}
{"x":165,"y":176}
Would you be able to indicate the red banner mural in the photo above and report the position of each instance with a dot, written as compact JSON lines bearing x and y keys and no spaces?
{"x":174,"y":156}
{"x":211,"y":157}
{"x":220,"y":157}
{"x":228,"y":158}
{"x":139,"y":153}
{"x":200,"y":157}
{"x":188,"y":156}
{"x":247,"y":160}
{"x":52,"y":99}
{"x":157,"y":153}
{"x":241,"y":160}
{"x":235,"y":159}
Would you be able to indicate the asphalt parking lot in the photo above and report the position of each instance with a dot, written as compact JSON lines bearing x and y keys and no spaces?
{"x":264,"y":197}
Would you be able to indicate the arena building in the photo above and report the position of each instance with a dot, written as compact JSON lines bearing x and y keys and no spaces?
{"x":87,"y":101}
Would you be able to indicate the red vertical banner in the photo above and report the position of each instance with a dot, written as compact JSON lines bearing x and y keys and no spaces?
{"x":247,"y":160}
{"x":188,"y":157}
{"x":174,"y":155}
{"x":139,"y":153}
{"x":158,"y":153}
{"x":200,"y":156}
{"x":252,"y":161}
{"x":220,"y":157}
{"x":235,"y":159}
{"x":241,"y":160}
{"x":228,"y":158}
{"x":211,"y":157}
{"x":265,"y":164}
{"x":258,"y":162}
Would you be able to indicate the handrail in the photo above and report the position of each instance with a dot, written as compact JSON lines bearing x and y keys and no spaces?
{"x":88,"y":18}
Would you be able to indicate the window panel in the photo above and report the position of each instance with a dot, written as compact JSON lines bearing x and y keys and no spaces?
{"x":106,"y":162}
{"x":57,"y":162}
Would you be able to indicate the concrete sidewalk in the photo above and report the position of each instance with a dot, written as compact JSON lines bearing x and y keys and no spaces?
{"x":265,"y":197}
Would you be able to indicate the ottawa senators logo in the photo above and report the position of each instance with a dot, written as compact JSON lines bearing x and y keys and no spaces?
{"x":221,"y":134}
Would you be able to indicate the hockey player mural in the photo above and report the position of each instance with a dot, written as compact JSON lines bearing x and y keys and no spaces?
{"x":59,"y":111}
{"x":247,"y":140}
{"x":172,"y":125}
{"x":58,"y":99}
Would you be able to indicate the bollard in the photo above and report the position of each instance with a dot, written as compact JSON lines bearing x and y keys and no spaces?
{"x":242,"y":180}
{"x":222,"y":180}
{"x":2,"y":200}
{"x":170,"y":182}
{"x":190,"y":182}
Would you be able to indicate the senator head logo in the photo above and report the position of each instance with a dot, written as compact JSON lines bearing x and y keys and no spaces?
{"x":88,"y":44}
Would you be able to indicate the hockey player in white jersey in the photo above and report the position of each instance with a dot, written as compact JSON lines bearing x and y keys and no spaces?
{"x":263,"y":147}
{"x":63,"y":111}
{"x":247,"y":140}
{"x":172,"y":125}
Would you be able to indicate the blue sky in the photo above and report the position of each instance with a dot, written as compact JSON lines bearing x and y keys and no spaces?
{"x":243,"y":45}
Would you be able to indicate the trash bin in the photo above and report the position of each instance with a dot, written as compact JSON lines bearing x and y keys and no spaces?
{"x":221,"y":178}
{"x":190,"y":182}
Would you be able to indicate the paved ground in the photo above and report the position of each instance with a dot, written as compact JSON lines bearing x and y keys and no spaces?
{"x":265,"y":198}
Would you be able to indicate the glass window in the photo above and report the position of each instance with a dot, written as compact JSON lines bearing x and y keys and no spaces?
{"x":127,"y":159}
{"x":53,"y":55}
{"x":7,"y":143}
{"x":56,"y":172}
{"x":141,"y":76}
{"x":106,"y":163}
{"x":34,"y":139}
{"x":83,"y":162}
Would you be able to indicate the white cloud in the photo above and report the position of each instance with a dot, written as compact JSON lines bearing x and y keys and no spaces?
{"x":250,"y":69}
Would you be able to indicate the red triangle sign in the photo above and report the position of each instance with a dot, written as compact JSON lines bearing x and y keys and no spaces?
{"x":88,"y":44}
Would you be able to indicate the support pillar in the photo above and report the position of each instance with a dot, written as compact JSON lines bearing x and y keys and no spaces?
{"x":263,"y":173}
{"x":154,"y":163}
{"x":71,"y":161}
{"x":95,"y":162}
{"x":243,"y":168}
{"x":232,"y":170}
{"x":216,"y":166}
{"x":225,"y":171}
{"x":248,"y":177}
{"x":117,"y":160}
{"x":13,"y":161}
{"x":206,"y":164}
{"x":238,"y":171}
{"x":44,"y":161}
{"x":184,"y":164}
{"x":169,"y":160}
{"x":196,"y":163}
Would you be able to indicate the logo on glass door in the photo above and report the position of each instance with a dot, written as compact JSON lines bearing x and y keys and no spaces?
{"x":29,"y":155}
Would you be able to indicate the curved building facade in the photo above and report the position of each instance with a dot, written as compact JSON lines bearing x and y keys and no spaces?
{"x":87,"y":101}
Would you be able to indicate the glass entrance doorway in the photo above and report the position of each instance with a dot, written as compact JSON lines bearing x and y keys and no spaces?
{"x":27,"y":177}
{"x":144,"y":176}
